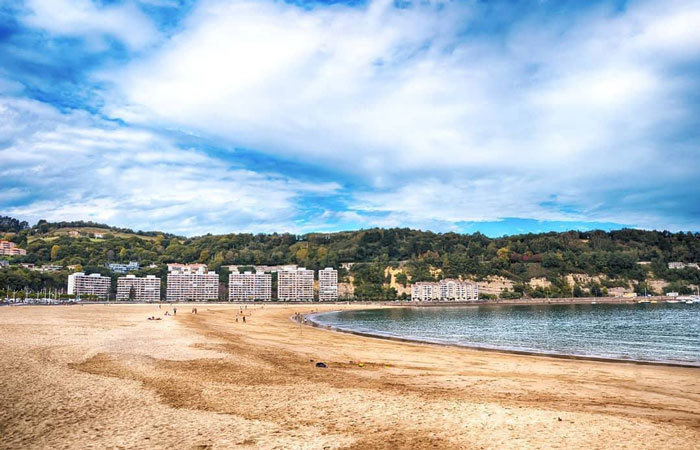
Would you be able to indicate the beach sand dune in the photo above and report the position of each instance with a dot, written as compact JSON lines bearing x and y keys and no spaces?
{"x":103,"y":376}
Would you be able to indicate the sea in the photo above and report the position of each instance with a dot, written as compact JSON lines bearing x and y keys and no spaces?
{"x":662,"y":332}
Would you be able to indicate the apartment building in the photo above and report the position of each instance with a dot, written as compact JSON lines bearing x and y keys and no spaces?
{"x":425,"y":291}
{"x":328,"y":285}
{"x":186,"y":268}
{"x":295,"y":284}
{"x":191,"y":282}
{"x":145,"y":289}
{"x":8,"y":248}
{"x":448,"y":289}
{"x":260,"y":268}
{"x":94,"y":284}
{"x":123,"y":268}
{"x":681,"y":265}
{"x":249,"y":286}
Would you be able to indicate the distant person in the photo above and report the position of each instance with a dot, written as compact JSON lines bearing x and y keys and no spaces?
{"x":174,"y":310}
{"x":243,"y":319}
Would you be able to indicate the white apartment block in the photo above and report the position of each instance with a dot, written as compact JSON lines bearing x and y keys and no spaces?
{"x":425,"y":291}
{"x":191,"y":282}
{"x":123,"y":268}
{"x":187,"y":268}
{"x":93,"y":284}
{"x":328,"y":285}
{"x":447,"y":289}
{"x":295,"y":284}
{"x":260,"y":268}
{"x":681,"y":265}
{"x":146,"y":289}
{"x":249,"y":286}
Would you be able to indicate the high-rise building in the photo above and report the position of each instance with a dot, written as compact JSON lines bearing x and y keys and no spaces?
{"x":249,"y":286}
{"x":80,"y":284}
{"x":191,"y":282}
{"x":145,"y":289}
{"x":447,"y":289}
{"x":10,"y":249}
{"x":295,"y":284}
{"x":328,"y":285}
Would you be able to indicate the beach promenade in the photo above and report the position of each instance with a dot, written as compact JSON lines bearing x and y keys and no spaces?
{"x":104,"y":376}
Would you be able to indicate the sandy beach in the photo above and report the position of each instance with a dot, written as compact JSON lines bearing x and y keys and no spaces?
{"x":100,"y":376}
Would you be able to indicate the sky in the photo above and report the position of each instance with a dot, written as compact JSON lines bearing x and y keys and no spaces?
{"x":215,"y":116}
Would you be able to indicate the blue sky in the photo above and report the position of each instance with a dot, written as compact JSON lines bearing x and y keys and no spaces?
{"x":222,"y":116}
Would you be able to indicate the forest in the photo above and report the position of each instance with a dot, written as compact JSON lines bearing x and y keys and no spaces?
{"x":618,"y":257}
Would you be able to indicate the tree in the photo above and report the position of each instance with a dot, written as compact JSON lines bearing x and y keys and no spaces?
{"x":132,"y":293}
{"x":54,"y":252}
{"x":402,"y":278}
{"x":302,"y":254}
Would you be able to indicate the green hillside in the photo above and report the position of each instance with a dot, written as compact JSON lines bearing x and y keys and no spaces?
{"x":623,"y":257}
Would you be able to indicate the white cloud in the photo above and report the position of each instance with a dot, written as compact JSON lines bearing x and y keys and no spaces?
{"x":72,"y":167}
{"x":123,"y":21}
{"x":397,"y":96}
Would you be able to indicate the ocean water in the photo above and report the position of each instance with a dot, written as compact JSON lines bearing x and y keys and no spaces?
{"x":642,"y":332}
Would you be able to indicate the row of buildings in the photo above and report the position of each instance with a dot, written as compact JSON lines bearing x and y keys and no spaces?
{"x":193,"y":282}
{"x":448,"y":289}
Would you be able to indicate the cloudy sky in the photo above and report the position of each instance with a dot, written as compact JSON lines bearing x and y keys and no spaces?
{"x":225,"y":115}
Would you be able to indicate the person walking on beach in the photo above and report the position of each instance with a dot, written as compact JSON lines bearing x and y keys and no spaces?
{"x":174,"y":310}
{"x":243,"y":319}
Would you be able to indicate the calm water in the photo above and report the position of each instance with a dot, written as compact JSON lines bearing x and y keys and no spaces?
{"x":648,"y":332}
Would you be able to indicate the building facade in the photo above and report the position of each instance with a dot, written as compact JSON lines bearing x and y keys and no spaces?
{"x":249,"y":286}
{"x":295,"y":284}
{"x":186,"y":268}
{"x":682,"y":265}
{"x":448,"y":289}
{"x":80,"y":284}
{"x":185,"y":283}
{"x":123,"y":268}
{"x":328,"y":285}
{"x":8,"y":248}
{"x":145,"y":289}
{"x":260,"y":268}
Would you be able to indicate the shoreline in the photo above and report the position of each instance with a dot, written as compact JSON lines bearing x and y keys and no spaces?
{"x":309,"y":320}
{"x":409,"y":303}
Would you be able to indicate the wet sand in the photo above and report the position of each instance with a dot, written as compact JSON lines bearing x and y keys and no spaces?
{"x":104,"y":376}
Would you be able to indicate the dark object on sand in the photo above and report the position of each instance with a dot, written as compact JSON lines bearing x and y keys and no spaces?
{"x":320,"y":364}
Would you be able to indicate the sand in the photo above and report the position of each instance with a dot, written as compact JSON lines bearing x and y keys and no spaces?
{"x":102,"y":376}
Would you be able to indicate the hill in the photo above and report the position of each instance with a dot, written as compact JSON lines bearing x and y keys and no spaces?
{"x":381,"y":262}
